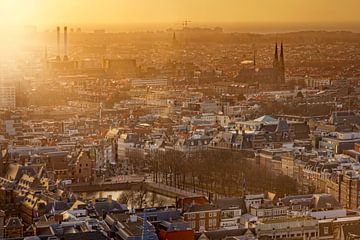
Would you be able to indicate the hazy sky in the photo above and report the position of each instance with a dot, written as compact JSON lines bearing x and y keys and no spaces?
{"x":48,"y":12}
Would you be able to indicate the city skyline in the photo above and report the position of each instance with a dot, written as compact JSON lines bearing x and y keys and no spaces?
{"x":47,"y":13}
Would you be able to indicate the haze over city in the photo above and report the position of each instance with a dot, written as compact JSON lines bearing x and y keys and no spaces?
{"x":130,"y":14}
{"x":179,"y":119}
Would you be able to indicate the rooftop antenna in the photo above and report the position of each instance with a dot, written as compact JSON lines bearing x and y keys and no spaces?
{"x":185,"y":23}
{"x":144,"y":235}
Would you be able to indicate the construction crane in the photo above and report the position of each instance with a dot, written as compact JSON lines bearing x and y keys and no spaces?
{"x":185,"y":23}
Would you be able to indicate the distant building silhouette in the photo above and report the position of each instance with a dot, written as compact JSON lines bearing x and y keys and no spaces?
{"x":274,"y":75}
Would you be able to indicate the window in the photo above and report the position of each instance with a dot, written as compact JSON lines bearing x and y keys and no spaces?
{"x":210,"y":214}
{"x":202,"y":215}
{"x":193,"y":225}
{"x":202,"y":223}
{"x":326,"y":230}
{"x":214,"y":223}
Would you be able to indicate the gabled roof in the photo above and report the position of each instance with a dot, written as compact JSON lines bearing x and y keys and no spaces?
{"x":177,"y":235}
{"x":282,"y":126}
{"x":105,"y":206}
{"x":186,"y":202}
{"x":7,"y":184}
{"x":324,"y":201}
{"x":315,"y":201}
{"x":221,"y":234}
{"x":230,"y":203}
{"x":58,"y":206}
{"x":78,"y":204}
{"x":15,"y":171}
{"x":13,"y":222}
{"x":200,"y":208}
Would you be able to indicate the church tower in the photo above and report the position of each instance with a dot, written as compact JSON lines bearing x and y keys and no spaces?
{"x":254,"y":59}
{"x":282,"y":65}
{"x":276,"y":57}
{"x":174,"y":40}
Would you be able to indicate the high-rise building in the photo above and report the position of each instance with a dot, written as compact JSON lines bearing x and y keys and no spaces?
{"x":7,"y":97}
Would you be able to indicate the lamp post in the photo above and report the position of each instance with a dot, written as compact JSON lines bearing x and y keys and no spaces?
{"x":144,"y":235}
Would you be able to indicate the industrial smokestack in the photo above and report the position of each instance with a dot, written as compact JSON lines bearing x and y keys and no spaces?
{"x":58,"y":42}
{"x":65,"y":44}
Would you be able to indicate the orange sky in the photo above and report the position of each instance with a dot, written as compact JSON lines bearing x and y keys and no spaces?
{"x":50,"y":12}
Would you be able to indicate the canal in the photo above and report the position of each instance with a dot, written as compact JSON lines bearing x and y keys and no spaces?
{"x":133,"y":198}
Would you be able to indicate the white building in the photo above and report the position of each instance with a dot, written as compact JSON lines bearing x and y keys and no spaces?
{"x":149,"y":82}
{"x":254,"y":200}
{"x":288,"y":228}
{"x":231,"y":211}
{"x":328,"y":213}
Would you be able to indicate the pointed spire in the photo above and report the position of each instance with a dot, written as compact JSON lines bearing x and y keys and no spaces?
{"x":254,"y":58}
{"x":282,"y":64}
{"x":276,"y":52}
{"x":282,"y":61}
{"x":276,"y":57}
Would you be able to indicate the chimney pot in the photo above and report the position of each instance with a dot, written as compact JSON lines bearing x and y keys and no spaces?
{"x":109,"y":198}
{"x":65,"y":44}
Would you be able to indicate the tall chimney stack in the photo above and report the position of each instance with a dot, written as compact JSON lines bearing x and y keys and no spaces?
{"x":65,"y":44}
{"x":58,"y":43}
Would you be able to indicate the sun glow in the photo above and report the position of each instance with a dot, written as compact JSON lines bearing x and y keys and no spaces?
{"x":19,"y":12}
{"x":53,"y":12}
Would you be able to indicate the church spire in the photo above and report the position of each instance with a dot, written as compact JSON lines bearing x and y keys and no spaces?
{"x":254,"y":59}
{"x":281,"y":55}
{"x":276,"y":57}
{"x":174,"y":41}
{"x":282,"y":64}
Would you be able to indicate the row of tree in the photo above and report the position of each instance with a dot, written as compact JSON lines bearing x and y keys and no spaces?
{"x":222,"y":172}
{"x":142,"y":198}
